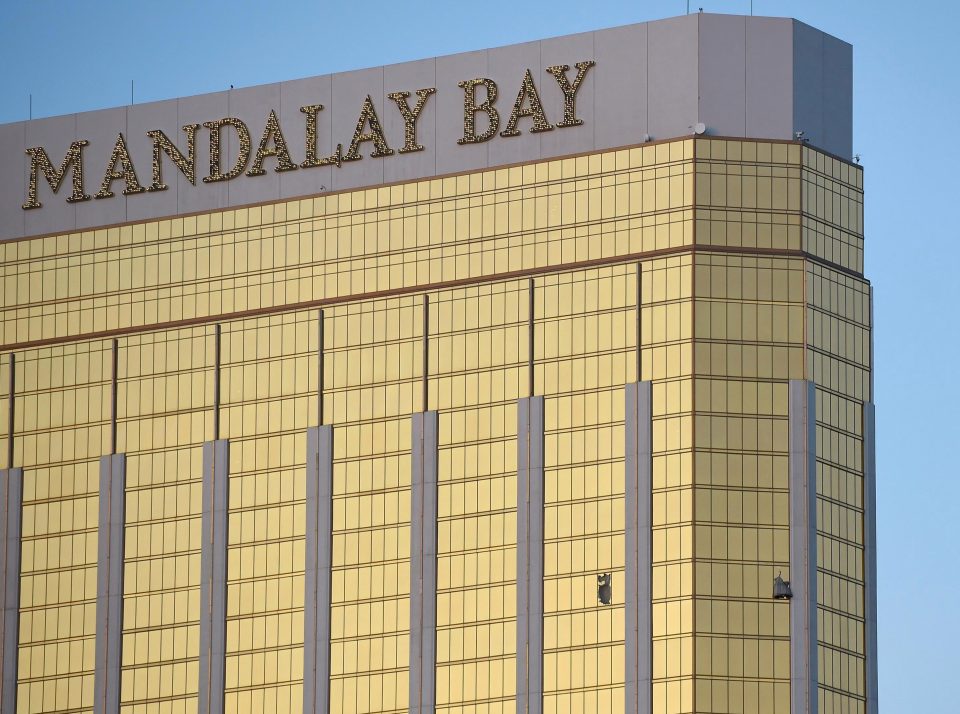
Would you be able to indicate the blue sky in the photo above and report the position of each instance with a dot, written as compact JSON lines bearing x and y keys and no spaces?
{"x":75,"y":55}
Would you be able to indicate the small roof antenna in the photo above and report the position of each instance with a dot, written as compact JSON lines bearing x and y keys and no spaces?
{"x":856,"y":157}
{"x":31,"y":106}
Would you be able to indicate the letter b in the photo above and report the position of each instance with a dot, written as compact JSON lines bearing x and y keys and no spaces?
{"x":470,"y":109}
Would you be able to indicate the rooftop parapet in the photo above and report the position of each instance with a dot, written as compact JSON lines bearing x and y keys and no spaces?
{"x":724,"y":75}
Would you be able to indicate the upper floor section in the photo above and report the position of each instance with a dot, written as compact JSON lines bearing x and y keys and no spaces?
{"x":767,"y":198}
{"x":719,"y":75}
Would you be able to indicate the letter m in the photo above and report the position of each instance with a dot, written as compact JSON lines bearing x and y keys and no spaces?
{"x":40,"y":163}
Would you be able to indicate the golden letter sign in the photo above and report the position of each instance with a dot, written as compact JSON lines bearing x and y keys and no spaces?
{"x":273,"y":144}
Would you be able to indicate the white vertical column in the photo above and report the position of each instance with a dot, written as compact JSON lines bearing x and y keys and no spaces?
{"x":11,"y":512}
{"x":638,"y":598}
{"x":870,"y":553}
{"x":523,"y":529}
{"x":803,"y":546}
{"x":423,"y":563}
{"x":317,"y":583}
{"x":110,"y":540}
{"x":213,"y":577}
{"x":530,"y":496}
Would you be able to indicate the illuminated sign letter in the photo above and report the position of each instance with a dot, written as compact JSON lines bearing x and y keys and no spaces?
{"x":528,"y":94}
{"x":470,"y":109}
{"x":126,"y":172}
{"x":187,"y":164}
{"x":243,"y":133}
{"x":559,"y":73}
{"x":272,"y":132}
{"x":40,"y":162}
{"x":311,"y":110}
{"x":368,"y":115}
{"x":410,"y":117}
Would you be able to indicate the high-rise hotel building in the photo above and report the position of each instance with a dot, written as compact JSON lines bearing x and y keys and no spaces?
{"x":508,"y":382}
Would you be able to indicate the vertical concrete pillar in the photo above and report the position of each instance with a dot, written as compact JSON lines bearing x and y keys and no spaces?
{"x":11,"y":512}
{"x":803,"y":546}
{"x":213,"y":577}
{"x":530,"y":494}
{"x":11,"y":412}
{"x":423,"y":564}
{"x":110,"y":541}
{"x":638,"y":595}
{"x":317,"y":583}
{"x":870,"y":553}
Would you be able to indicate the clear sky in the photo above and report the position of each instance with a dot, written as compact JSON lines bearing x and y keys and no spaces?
{"x":75,"y":55}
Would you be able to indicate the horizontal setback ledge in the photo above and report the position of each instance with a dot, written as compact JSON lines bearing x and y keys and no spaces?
{"x":431,"y":287}
{"x":455,"y":174}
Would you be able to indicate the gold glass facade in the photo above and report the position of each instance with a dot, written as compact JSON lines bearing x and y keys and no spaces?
{"x":749,"y":257}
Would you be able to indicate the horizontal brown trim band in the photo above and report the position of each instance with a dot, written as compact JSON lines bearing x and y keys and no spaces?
{"x":303,"y":197}
{"x":432,"y":287}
